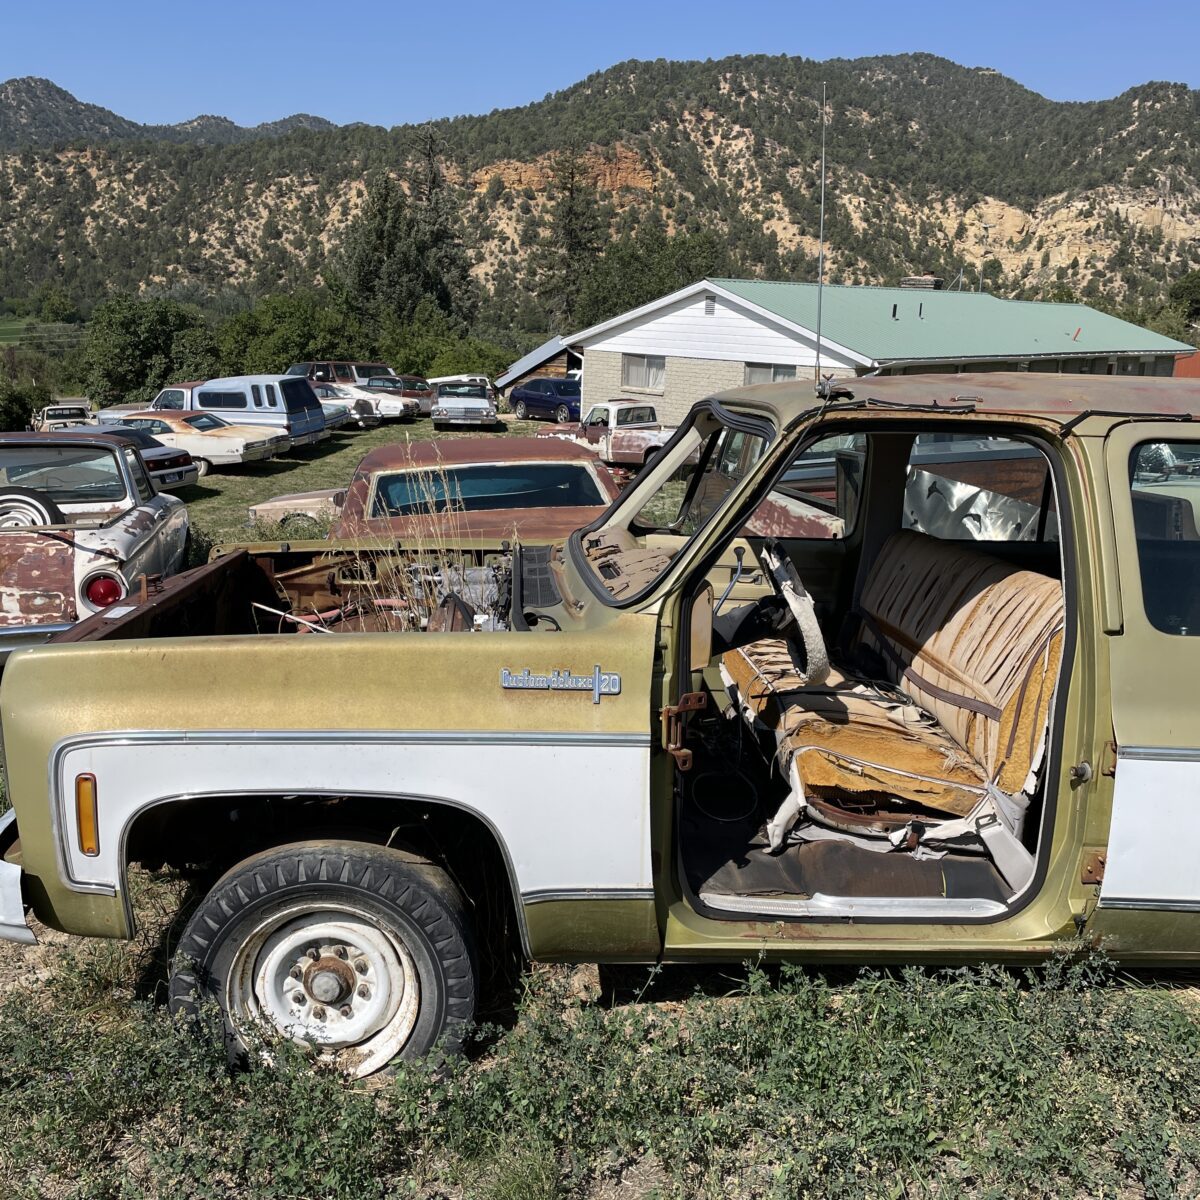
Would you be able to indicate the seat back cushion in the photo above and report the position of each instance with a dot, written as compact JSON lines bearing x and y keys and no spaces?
{"x":973,"y":640}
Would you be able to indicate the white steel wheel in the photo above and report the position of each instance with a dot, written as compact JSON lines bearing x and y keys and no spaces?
{"x":23,"y":508}
{"x":360,"y":953}
{"x":202,"y":467}
{"x":330,"y":980}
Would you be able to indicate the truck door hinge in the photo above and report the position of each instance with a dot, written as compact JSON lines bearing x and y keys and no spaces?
{"x":1091,"y":868}
{"x":673,"y":725}
{"x":1108,"y":758}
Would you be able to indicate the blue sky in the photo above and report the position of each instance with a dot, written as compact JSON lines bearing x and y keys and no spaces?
{"x":390,"y":63}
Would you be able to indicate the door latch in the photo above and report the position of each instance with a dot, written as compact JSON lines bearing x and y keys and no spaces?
{"x":673,"y":726}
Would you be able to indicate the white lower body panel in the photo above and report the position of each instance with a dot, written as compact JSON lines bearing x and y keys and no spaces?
{"x":571,"y":811}
{"x":1153,"y":856}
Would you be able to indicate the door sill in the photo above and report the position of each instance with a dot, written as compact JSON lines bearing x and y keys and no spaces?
{"x":859,"y":907}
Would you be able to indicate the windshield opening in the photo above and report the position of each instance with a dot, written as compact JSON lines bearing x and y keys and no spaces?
{"x":673,"y":500}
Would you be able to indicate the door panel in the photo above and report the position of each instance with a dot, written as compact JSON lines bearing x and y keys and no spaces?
{"x":1154,"y":662}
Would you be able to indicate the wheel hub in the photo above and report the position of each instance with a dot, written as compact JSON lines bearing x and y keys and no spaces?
{"x":329,"y":980}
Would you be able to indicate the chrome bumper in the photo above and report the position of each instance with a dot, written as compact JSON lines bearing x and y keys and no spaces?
{"x":13,"y":926}
{"x":309,"y":439}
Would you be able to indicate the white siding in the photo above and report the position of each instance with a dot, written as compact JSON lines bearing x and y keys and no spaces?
{"x":731,"y":334}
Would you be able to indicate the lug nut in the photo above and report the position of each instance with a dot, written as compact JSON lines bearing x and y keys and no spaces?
{"x":296,"y":973}
{"x":313,"y":953}
{"x":318,"y":1013}
{"x":364,"y":991}
{"x":298,"y":999}
{"x":361,"y":966}
{"x":340,"y":951}
{"x":346,"y":1010}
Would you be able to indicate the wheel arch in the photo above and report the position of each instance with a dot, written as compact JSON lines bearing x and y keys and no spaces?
{"x":374,"y":817}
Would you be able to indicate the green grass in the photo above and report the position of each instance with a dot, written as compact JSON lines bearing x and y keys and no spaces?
{"x":217,"y":504}
{"x":982,"y":1083}
{"x":12,"y":330}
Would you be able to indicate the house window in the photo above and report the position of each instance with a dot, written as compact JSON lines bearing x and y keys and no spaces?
{"x":769,"y":372}
{"x":645,"y":371}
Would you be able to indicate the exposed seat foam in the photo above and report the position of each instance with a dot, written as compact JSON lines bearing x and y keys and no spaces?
{"x":971,"y":641}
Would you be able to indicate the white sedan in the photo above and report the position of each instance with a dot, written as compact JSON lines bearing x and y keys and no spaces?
{"x":209,"y":439}
{"x":356,"y":404}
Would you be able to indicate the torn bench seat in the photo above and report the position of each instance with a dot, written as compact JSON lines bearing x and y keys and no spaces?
{"x":963,"y":651}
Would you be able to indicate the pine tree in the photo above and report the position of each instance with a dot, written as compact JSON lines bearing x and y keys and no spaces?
{"x":564,"y":258}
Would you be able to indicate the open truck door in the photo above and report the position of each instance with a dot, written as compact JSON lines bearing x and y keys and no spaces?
{"x":1153,"y":472}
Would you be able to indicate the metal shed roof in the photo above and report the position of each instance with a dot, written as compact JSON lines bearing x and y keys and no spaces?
{"x":919,"y":325}
{"x":546,"y":351}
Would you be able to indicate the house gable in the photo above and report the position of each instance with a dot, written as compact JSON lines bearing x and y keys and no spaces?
{"x":707,"y":323}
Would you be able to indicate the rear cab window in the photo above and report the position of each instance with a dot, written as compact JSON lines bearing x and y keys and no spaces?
{"x":963,"y":487}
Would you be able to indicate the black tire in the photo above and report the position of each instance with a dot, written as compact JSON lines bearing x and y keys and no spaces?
{"x":562,"y":414}
{"x":23,"y":507}
{"x":250,"y":925}
{"x":520,"y":411}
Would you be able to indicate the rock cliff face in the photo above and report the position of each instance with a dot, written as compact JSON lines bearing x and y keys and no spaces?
{"x":932,"y":167}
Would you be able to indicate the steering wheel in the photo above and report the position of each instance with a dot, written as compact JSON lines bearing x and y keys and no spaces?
{"x":785,"y":580}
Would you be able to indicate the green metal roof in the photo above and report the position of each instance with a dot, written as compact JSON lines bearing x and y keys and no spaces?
{"x":948,"y":325}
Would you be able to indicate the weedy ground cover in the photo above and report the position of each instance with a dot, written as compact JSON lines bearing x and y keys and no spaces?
{"x":1067,"y":1081}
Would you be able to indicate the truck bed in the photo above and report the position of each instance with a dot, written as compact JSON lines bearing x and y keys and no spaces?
{"x":318,"y":588}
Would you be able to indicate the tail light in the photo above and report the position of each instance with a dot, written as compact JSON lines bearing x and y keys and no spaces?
{"x":103,"y":589}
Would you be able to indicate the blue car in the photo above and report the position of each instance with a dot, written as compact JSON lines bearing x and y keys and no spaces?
{"x":557,"y":398}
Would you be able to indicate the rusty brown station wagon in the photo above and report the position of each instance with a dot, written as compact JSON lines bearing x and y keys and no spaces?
{"x":949,"y":716}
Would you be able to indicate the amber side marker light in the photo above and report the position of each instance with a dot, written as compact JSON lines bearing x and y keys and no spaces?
{"x":85,"y":815}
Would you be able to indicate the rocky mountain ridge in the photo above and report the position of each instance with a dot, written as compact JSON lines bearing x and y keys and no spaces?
{"x":933,"y":166}
{"x":38,"y":114}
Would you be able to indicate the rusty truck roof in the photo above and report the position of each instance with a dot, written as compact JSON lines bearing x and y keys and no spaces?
{"x":1055,"y":398}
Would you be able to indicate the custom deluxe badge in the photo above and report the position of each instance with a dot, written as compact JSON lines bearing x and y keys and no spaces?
{"x":599,"y":683}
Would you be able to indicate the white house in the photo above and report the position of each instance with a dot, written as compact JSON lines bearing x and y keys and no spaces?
{"x":723,"y":333}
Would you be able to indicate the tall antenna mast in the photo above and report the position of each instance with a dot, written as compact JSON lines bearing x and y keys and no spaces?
{"x":821,"y":245}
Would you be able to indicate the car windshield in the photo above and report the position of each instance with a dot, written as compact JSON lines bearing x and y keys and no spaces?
{"x":67,"y":474}
{"x":64,"y":414}
{"x":485,"y":487}
{"x":674,"y":500}
{"x":458,"y":391}
{"x":364,"y":370}
{"x":415,"y":385}
{"x":205,"y":422}
{"x":567,"y":387}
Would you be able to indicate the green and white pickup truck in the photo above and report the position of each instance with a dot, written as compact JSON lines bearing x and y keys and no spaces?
{"x":950,"y":716}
